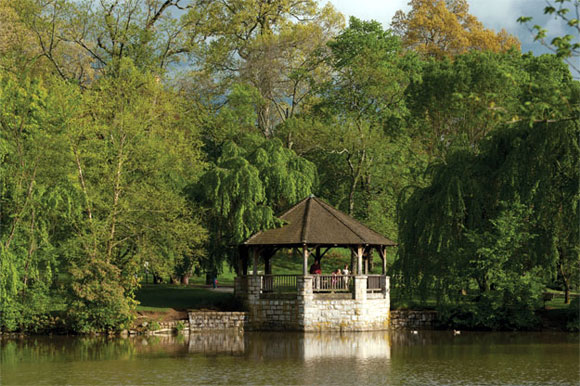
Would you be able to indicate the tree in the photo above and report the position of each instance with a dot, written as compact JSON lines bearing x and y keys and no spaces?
{"x":17,"y":44}
{"x":459,"y":103}
{"x":273,"y":46}
{"x":546,"y":171}
{"x":82,"y":39}
{"x":444,"y":28}
{"x":362,"y":111}
{"x":37,"y":202}
{"x":483,"y":219}
{"x":134,"y":150}
{"x":243,"y":191}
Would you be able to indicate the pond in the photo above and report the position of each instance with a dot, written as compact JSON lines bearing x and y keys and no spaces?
{"x":384,"y":358}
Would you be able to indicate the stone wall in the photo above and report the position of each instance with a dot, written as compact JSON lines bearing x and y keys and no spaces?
{"x":272,"y":314}
{"x":172,"y":326}
{"x":308,"y":311}
{"x":211,"y":321}
{"x":413,"y":320}
{"x":347,"y":315}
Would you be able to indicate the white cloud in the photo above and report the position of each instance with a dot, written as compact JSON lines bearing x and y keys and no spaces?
{"x":495,"y":14}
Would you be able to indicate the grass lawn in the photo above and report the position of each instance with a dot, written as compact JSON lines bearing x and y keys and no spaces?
{"x":558,"y":302}
{"x":164,"y":297}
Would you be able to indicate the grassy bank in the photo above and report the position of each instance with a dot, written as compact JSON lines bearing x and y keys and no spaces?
{"x":165,"y":297}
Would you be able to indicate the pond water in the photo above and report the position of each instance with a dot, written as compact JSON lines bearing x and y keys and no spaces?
{"x":383,"y":358}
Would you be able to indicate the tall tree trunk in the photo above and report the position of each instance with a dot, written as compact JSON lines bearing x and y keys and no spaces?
{"x":18,"y":216}
{"x":31,"y":248}
{"x":88,"y":202}
{"x":355,"y":172}
{"x":566,"y":281}
{"x":482,"y":284}
{"x":116,"y":194}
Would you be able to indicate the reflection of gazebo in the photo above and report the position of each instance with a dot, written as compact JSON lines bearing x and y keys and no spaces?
{"x":314,"y":227}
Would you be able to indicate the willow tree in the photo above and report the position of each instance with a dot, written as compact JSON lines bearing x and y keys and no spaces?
{"x":244,"y":190}
{"x":37,"y":201}
{"x":504,"y":220}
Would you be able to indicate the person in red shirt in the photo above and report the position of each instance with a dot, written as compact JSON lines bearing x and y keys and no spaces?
{"x":315,"y":268}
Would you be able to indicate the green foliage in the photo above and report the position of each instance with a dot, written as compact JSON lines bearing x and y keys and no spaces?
{"x":243,"y":191}
{"x":36,"y":203}
{"x":358,"y":139}
{"x":274,"y":46}
{"x":132,"y":165}
{"x":573,"y":323}
{"x":179,"y":327}
{"x":99,"y":302}
{"x":160,"y":134}
{"x":489,"y":220}
{"x":90,"y":185}
{"x":491,"y":312}
{"x":457,"y":104}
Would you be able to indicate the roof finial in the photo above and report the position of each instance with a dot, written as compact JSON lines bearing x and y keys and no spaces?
{"x":311,"y":195}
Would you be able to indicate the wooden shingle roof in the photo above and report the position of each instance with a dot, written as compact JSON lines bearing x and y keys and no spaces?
{"x":314,"y":222}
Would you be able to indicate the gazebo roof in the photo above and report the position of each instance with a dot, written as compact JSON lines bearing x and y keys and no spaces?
{"x":314,"y":222}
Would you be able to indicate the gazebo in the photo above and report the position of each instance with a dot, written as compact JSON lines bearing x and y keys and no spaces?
{"x":357,"y":301}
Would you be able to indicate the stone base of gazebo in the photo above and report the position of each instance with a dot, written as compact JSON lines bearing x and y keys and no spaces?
{"x":364,"y":307}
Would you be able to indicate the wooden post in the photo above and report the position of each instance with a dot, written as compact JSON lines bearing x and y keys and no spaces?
{"x":359,"y":262}
{"x":305,"y":256}
{"x":383,"y":253}
{"x":255,"y":255}
{"x":243,"y":265}
{"x":367,"y":265}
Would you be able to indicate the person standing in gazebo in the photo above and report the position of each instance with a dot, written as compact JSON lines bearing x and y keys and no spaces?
{"x":316,"y":270}
{"x":345,"y":273}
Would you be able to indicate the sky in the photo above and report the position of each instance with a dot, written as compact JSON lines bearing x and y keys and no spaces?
{"x":494,"y":14}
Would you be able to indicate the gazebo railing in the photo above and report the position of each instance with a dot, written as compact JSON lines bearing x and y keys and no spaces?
{"x":279,"y":283}
{"x":332,"y":283}
{"x":375,"y":283}
{"x":320,"y":283}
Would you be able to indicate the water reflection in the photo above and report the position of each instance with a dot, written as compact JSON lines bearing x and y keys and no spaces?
{"x":308,"y":346}
{"x":394,"y":357}
{"x":217,"y":343}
